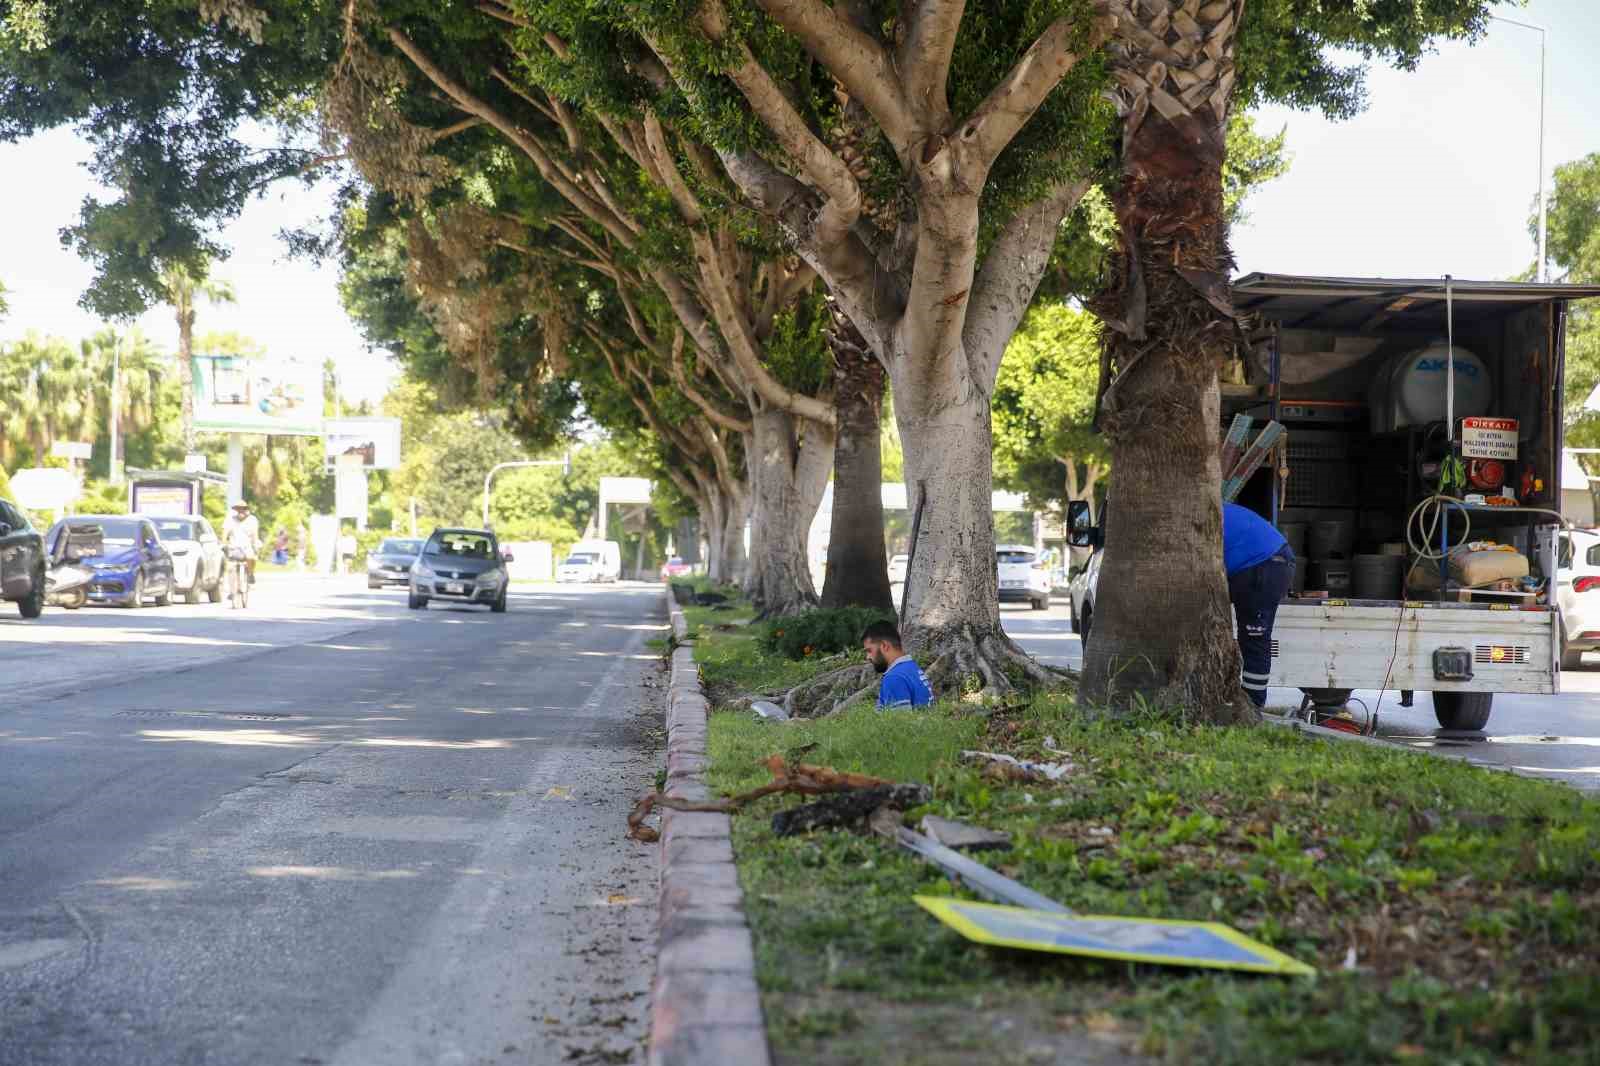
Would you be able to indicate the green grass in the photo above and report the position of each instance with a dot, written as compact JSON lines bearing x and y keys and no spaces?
{"x":1472,"y":898}
{"x":728,"y":649}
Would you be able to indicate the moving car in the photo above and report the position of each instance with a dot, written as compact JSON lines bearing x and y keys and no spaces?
{"x":22,"y":557}
{"x":1024,"y":577}
{"x":591,"y":560}
{"x":897,"y":569}
{"x":133,"y":565}
{"x":1080,"y":597}
{"x":674,"y":567}
{"x":460,"y":566}
{"x":196,"y":555}
{"x":391,"y":563}
{"x":1578,"y":595}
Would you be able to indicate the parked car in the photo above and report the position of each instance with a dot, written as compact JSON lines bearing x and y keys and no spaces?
{"x":22,"y":561}
{"x":1578,"y":575}
{"x":460,"y":566}
{"x":133,"y":565}
{"x":897,"y":569}
{"x":196,"y":555}
{"x":1024,"y":578}
{"x":391,"y":563}
{"x":591,"y":560}
{"x":1080,"y":596}
{"x":675,"y":567}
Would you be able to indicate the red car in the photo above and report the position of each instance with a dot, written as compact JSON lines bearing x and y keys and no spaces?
{"x":674,"y":567}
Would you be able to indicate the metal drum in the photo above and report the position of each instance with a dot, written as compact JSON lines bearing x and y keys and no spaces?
{"x":1329,"y":575}
{"x":1377,"y":577}
{"x":1332,"y":538}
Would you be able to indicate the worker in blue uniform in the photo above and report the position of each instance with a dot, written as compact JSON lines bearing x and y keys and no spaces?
{"x":1260,"y":566}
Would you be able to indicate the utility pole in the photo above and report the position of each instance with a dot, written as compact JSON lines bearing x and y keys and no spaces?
{"x":1543,"y":271}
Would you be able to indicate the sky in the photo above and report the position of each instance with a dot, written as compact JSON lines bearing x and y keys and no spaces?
{"x":1437,"y":176}
{"x":1440,"y":173}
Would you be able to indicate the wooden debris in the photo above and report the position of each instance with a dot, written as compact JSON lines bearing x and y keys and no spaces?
{"x":848,"y":808}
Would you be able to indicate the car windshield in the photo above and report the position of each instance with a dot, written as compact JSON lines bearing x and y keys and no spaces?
{"x":461,"y":545}
{"x":1006,"y":558}
{"x":175,"y":529}
{"x":580,"y":560}
{"x":400,"y":547}
{"x":118,"y":532}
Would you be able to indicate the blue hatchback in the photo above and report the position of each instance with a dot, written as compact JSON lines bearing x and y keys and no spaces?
{"x":132,"y":565}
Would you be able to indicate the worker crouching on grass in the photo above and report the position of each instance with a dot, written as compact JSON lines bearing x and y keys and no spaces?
{"x":903,"y":684}
{"x":1260,"y":566}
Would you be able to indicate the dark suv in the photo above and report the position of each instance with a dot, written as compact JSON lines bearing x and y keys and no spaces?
{"x":21,"y":561}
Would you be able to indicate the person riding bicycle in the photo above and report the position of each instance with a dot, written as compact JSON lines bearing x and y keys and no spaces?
{"x":242,"y":530}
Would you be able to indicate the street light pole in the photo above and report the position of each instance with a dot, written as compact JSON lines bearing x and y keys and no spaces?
{"x":565,"y":462}
{"x":1543,"y":272}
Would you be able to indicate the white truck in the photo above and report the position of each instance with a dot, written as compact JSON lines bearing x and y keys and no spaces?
{"x":1401,"y":398}
{"x":590,"y":561}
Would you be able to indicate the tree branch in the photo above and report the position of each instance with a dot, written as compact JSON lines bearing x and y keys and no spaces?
{"x":1003,"y":113}
{"x":542,"y":161}
{"x":1010,"y":275}
{"x":852,"y":56}
{"x":923,"y":58}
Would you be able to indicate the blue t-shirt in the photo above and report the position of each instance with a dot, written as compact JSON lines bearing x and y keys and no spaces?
{"x":904,"y":686}
{"x":1247,"y":538}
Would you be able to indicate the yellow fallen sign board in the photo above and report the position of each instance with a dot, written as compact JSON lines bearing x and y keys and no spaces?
{"x":1157,"y":940}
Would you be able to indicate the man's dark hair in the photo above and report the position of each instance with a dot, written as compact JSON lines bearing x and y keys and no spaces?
{"x":885,"y":631}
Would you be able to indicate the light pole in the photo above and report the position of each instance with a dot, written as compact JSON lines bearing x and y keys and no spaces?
{"x":565,"y":463}
{"x":1543,"y":272}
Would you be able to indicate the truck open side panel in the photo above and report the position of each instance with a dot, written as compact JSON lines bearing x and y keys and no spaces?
{"x":1355,"y":646}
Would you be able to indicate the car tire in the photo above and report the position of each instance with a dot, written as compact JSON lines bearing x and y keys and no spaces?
{"x":32,"y":605}
{"x":415,"y":602}
{"x":136,"y":600}
{"x":499,"y":605}
{"x":1042,"y":603}
{"x":1083,"y":628}
{"x":165,"y":599}
{"x":1465,"y":712}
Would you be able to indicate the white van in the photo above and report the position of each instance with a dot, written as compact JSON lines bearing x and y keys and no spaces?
{"x":590,"y":561}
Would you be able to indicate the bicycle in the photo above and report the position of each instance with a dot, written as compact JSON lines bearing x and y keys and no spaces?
{"x":238,"y":578}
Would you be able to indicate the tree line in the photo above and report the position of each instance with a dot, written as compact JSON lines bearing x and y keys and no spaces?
{"x":726,"y":226}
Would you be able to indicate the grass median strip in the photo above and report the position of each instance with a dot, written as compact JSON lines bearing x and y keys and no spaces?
{"x":1453,"y":914}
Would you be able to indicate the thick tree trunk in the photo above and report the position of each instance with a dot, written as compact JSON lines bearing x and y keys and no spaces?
{"x":787,"y":478}
{"x":735,"y":561}
{"x":858,"y":563}
{"x":1163,"y":627}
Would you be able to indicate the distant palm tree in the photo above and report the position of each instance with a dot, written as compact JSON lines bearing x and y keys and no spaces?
{"x":182,"y":287}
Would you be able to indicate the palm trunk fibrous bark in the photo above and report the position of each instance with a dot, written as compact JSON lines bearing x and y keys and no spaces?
{"x":1163,"y":626}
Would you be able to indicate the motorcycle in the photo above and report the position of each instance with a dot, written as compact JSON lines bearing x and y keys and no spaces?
{"x":66,"y":582}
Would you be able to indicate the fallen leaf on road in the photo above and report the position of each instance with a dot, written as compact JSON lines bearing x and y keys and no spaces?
{"x":559,"y":792}
{"x":621,"y":899}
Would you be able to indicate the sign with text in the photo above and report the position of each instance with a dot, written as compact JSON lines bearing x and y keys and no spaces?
{"x":1489,"y":438}
{"x":245,"y":394}
{"x":376,"y":441}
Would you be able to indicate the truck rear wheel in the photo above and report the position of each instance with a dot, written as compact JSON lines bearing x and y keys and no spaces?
{"x":1467,"y":712}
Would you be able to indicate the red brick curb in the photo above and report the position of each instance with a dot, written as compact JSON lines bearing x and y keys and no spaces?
{"x":705,"y":1007}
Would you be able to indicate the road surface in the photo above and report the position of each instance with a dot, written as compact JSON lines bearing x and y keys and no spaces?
{"x":327,"y":831}
{"x":1557,"y":737}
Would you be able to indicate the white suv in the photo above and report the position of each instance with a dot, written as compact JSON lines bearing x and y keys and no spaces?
{"x":1577,"y":575}
{"x":1023,"y":576}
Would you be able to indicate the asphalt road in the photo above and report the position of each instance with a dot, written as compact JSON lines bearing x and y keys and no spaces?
{"x":1557,"y":737}
{"x":327,"y":830}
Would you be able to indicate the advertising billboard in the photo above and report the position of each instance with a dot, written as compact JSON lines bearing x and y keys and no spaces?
{"x":164,"y":498}
{"x":243,"y":394}
{"x":376,"y":441}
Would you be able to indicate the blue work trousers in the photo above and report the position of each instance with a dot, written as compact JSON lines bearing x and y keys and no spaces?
{"x":1256,"y":592}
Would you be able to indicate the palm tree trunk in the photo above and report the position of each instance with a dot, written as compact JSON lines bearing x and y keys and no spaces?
{"x":858,"y":563}
{"x":1163,"y":629}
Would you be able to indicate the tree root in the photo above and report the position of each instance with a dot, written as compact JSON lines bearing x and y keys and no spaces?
{"x":848,"y":809}
{"x":964,"y":661}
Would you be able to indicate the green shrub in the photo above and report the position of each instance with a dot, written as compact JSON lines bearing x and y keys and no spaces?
{"x":824,"y":631}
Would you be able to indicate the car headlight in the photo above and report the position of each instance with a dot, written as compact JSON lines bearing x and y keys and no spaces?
{"x":418,"y":570}
{"x":489,"y":577}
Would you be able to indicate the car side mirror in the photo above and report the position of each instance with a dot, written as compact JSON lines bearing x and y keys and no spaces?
{"x":5,"y":529}
{"x":1081,"y":530}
